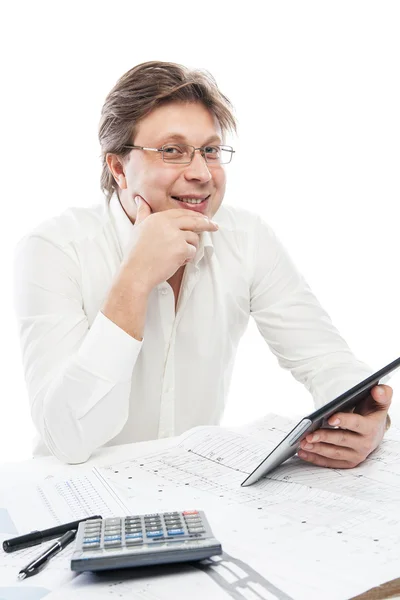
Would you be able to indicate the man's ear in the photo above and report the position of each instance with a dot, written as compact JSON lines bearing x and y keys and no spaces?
{"x":117,"y":169}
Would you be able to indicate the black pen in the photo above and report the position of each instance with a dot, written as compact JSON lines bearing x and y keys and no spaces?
{"x":37,"y":565}
{"x":37,"y":537}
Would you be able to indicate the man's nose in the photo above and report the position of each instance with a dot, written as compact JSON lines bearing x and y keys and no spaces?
{"x":198,"y":168}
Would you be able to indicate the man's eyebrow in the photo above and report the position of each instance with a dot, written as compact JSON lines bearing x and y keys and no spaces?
{"x":181,"y":138}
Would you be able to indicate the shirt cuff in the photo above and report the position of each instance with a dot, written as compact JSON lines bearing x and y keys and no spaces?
{"x":108,"y":351}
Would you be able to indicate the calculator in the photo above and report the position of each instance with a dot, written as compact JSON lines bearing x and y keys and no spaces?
{"x":139,"y":540}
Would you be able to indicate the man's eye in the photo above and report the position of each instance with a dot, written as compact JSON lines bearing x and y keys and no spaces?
{"x":212,"y":151}
{"x":173,"y":150}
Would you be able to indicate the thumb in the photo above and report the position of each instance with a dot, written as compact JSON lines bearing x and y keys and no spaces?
{"x":143,"y":210}
{"x":382,"y":394}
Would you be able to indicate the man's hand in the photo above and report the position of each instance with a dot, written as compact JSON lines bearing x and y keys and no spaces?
{"x":358,"y":435}
{"x":164,"y":241}
{"x":161,"y":243}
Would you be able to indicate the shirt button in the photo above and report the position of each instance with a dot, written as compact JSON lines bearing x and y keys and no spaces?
{"x":164,"y":291}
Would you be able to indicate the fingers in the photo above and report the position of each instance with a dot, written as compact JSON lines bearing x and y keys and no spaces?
{"x":356,"y":437}
{"x":336,"y":448}
{"x":382,"y":394}
{"x":337,"y":437}
{"x":194,"y":222}
{"x":191,"y":253}
{"x":186,"y":220}
{"x":192,"y":239}
{"x":323,"y":461}
{"x":143,"y":210}
{"x":351,"y":421}
{"x":341,"y":453}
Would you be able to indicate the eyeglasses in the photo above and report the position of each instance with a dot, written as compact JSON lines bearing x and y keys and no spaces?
{"x":182,"y":154}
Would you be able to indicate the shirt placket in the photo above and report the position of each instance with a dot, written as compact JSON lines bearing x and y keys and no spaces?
{"x":170,"y":323}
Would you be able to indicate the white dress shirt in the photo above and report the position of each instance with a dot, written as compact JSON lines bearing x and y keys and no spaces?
{"x":90,"y":383}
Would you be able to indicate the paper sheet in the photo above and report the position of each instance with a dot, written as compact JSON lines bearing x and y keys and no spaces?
{"x":58,"y":500}
{"x":285,"y":538}
{"x":54,"y":501}
{"x":323,"y":520}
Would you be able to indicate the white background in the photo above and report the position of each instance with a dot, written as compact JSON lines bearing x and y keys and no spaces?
{"x":317,"y":95}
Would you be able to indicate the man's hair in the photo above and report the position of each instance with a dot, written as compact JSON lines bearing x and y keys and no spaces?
{"x":141,"y":90}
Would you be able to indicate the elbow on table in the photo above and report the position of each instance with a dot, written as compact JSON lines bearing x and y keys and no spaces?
{"x":74,"y":458}
{"x":71,"y":456}
{"x":61,"y":433}
{"x":73,"y":452}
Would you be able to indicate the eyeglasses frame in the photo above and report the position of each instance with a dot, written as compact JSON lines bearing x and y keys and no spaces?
{"x":202,"y":151}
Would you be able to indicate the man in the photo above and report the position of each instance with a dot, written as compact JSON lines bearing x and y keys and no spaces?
{"x":130,"y":314}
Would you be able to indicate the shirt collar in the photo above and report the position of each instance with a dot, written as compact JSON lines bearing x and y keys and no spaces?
{"x":124,"y":229}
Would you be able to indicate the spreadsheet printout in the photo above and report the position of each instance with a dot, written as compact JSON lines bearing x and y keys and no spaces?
{"x":293,"y":521}
{"x":324,"y":519}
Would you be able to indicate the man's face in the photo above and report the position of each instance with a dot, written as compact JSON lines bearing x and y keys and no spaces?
{"x":158,"y":182}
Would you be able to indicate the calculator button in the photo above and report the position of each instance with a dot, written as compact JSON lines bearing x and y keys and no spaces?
{"x":156,"y":533}
{"x":133,"y":527}
{"x":133,"y":536}
{"x":112,"y":520}
{"x":132,"y":541}
{"x":172,"y":514}
{"x":129,"y":531}
{"x":111,"y":545}
{"x":89,"y":540}
{"x":94,"y":523}
{"x":90,"y":546}
{"x":153,"y":530}
{"x":169,"y":521}
{"x":196,"y":530}
{"x":110,"y":538}
{"x":175,"y":532}
{"x":190,"y":512}
{"x":94,"y":534}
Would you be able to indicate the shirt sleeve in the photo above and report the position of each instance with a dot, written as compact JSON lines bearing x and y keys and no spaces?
{"x":78,"y":377}
{"x":295,"y":326}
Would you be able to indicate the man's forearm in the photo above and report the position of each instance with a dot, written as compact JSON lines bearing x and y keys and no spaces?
{"x":126,"y":303}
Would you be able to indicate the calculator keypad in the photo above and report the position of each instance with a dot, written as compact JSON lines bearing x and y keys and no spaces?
{"x":138,"y":540}
{"x":140,"y":529}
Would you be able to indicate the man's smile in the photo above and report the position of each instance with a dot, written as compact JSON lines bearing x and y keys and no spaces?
{"x":195,"y":202}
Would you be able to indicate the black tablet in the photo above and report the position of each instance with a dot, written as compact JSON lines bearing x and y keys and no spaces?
{"x":345,"y":402}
